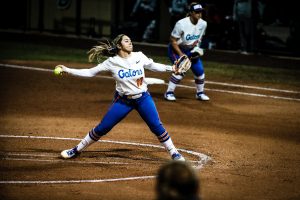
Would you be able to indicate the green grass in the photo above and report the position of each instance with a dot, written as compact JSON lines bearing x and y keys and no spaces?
{"x":246,"y":73}
{"x":213,"y":70}
{"x":26,"y":51}
{"x":243,"y":73}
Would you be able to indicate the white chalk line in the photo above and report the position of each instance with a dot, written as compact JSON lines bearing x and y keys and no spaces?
{"x":7,"y":156}
{"x":65,"y":161}
{"x":202,"y":157}
{"x":244,"y":93}
{"x":27,"y":154}
{"x":202,"y":160}
{"x":79,"y":181}
{"x":251,"y":87}
{"x":192,"y":87}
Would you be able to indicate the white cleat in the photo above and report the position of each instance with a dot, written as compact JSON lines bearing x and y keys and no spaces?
{"x":177,"y":157}
{"x":202,"y":97}
{"x":170,"y":96}
{"x":70,"y":153}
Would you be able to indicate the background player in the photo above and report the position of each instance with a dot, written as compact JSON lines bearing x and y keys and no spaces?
{"x":127,"y":69}
{"x":186,"y":39}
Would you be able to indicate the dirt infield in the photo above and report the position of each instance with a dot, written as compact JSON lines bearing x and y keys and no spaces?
{"x":253,"y":141}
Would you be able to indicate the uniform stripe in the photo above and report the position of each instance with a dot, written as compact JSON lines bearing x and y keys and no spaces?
{"x":163,"y":137}
{"x":116,"y":99}
{"x":174,"y":80}
{"x":197,"y":81}
{"x":94,"y":135}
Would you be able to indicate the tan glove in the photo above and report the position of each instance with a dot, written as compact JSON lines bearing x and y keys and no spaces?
{"x":182,"y":65}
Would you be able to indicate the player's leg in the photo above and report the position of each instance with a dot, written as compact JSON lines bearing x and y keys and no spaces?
{"x":117,"y":111}
{"x":173,"y":82}
{"x":174,"y":79}
{"x":199,"y":76}
{"x":147,"y":110}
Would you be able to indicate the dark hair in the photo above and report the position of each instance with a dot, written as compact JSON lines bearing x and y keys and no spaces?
{"x":177,"y":181}
{"x":105,"y":49}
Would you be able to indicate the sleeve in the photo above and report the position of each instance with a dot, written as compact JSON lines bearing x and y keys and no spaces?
{"x":153,"y":66}
{"x":88,"y":72}
{"x":177,"y":30}
{"x":205,"y":27}
{"x":158,"y":67}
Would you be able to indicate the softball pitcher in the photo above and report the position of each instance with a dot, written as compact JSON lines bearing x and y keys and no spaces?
{"x":186,"y":39}
{"x":127,"y":69}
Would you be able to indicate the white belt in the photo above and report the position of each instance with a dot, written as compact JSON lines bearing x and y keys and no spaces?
{"x":136,"y":96}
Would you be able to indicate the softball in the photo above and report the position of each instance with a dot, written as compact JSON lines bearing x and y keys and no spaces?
{"x":58,"y":70}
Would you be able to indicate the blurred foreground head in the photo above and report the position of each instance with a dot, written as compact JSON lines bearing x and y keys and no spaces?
{"x":177,"y":181}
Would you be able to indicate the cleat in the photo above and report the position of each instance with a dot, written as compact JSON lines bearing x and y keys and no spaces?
{"x":201,"y":96}
{"x":70,"y":153}
{"x":177,"y":157}
{"x":170,"y":96}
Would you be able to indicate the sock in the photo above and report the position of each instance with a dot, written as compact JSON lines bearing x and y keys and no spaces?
{"x":166,"y":140}
{"x":174,"y":80}
{"x":85,"y":142}
{"x":199,"y":82}
{"x":170,"y":146}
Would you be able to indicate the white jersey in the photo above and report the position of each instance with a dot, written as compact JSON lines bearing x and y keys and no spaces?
{"x":189,"y":35}
{"x":128,"y":72}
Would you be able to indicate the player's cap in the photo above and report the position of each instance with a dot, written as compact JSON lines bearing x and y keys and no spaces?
{"x":196,"y":7}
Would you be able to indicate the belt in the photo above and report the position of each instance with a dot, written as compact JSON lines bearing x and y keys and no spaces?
{"x":186,"y":47}
{"x":136,"y":96}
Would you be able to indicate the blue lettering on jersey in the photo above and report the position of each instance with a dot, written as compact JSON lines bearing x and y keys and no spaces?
{"x":129,"y":73}
{"x":192,"y":37}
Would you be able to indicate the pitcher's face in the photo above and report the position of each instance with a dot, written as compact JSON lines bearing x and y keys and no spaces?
{"x":126,"y":44}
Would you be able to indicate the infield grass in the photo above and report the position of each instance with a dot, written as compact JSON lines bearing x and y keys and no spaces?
{"x":213,"y":70}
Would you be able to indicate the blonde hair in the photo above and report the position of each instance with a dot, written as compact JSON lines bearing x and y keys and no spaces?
{"x":106,"y":49}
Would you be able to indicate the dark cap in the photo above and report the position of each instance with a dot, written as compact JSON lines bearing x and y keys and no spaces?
{"x":196,"y":7}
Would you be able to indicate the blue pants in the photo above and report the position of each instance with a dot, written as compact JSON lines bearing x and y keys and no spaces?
{"x":197,"y":66}
{"x":122,"y":106}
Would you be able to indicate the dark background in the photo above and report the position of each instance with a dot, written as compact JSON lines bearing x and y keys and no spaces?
{"x":278,"y":17}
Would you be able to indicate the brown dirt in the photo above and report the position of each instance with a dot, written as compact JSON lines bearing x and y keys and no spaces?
{"x":253,"y":141}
